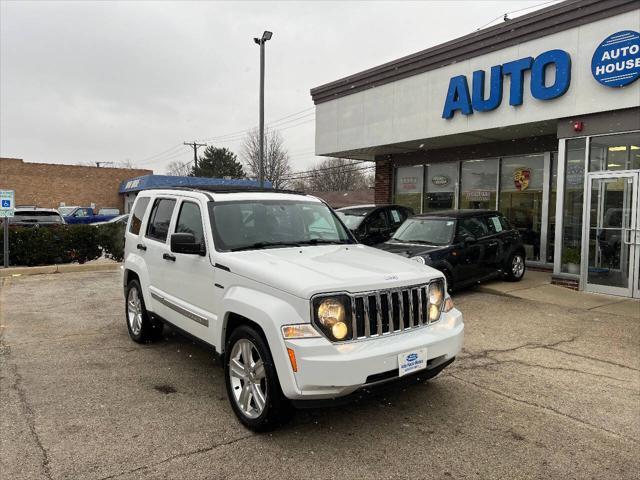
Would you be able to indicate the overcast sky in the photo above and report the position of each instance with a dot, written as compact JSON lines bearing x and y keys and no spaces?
{"x":114,"y":81}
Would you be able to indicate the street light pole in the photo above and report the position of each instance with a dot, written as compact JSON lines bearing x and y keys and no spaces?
{"x":261,"y":41}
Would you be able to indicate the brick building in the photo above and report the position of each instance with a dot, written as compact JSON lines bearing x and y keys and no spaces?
{"x":50,"y":185}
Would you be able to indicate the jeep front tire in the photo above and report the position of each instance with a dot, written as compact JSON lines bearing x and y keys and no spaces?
{"x":252,"y":382}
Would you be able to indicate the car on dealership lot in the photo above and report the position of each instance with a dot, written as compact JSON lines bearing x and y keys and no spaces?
{"x":281,"y":290}
{"x":31,"y":216}
{"x":86,"y":215}
{"x":468,"y":246}
{"x":373,"y":224}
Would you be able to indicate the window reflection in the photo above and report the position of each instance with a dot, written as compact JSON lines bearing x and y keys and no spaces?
{"x":521,"y":185}
{"x":478,"y":184}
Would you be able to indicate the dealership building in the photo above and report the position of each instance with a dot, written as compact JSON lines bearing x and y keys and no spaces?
{"x":538,"y":117}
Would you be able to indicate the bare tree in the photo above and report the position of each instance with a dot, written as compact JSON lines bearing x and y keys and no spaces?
{"x":337,"y":174}
{"x":179,"y":169}
{"x":277,"y":166}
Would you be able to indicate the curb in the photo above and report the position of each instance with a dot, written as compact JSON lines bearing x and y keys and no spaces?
{"x":65,"y":268}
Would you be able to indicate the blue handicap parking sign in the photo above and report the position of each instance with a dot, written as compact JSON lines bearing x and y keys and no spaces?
{"x":6,"y":203}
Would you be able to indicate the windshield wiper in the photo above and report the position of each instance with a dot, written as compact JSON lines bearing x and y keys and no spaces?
{"x":422,"y":242}
{"x":321,"y":241}
{"x":259,"y":245}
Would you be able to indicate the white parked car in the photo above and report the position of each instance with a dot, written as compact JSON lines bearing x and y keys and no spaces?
{"x":279,"y":287}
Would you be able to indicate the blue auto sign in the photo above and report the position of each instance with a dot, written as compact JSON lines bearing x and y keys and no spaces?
{"x":616,"y":61}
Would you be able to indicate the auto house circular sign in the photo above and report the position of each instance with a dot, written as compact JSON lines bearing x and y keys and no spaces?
{"x":616,"y":61}
{"x":440,"y":180}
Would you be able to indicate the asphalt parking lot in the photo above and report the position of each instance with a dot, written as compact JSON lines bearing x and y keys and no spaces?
{"x":539,"y":392}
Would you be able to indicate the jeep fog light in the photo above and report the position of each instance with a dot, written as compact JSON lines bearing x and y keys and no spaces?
{"x":339,"y":330}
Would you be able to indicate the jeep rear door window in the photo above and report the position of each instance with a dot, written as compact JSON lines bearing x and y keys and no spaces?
{"x":138,"y":214}
{"x":245,"y":225}
{"x":160,"y":219}
{"x":190,"y":221}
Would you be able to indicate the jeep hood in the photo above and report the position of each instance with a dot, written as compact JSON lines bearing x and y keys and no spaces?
{"x":305,"y":271}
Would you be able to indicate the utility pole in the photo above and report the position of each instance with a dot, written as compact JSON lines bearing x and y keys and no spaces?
{"x":195,"y":147}
{"x":261,"y":41}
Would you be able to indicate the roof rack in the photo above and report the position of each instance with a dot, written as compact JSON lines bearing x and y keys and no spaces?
{"x":229,"y":189}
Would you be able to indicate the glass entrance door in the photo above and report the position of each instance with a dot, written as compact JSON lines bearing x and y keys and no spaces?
{"x":611,"y":247}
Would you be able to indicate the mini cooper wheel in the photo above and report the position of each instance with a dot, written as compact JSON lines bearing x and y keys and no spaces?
{"x":252,"y":383}
{"x":515,"y":267}
{"x":141,"y":328}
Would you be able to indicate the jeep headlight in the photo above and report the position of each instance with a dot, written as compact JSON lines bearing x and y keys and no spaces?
{"x":333,"y":316}
{"x":436,"y":299}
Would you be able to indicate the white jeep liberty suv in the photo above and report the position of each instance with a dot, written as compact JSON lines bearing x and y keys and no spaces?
{"x":277,"y":285}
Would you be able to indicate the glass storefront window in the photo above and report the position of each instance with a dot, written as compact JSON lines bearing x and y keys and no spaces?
{"x":572,"y":208}
{"x":615,"y":152}
{"x":551,"y":229}
{"x":440,"y":186}
{"x":408,"y":188}
{"x":478,"y":184}
{"x":521,"y":185}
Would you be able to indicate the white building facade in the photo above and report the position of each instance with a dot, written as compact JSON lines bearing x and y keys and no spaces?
{"x":538,"y":117}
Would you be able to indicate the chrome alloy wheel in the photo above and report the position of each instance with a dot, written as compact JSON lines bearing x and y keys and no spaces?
{"x":248,"y":378}
{"x":517,"y":266}
{"x":134,"y":311}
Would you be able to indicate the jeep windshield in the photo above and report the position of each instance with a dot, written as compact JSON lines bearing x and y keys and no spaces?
{"x":428,"y":231}
{"x":259,"y":224}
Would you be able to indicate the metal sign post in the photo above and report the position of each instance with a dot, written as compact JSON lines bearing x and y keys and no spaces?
{"x":7,"y":209}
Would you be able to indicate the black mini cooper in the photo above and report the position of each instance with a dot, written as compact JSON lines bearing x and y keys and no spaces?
{"x":468,"y":246}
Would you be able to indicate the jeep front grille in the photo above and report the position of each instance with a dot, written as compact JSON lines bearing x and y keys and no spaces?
{"x":389,"y":311}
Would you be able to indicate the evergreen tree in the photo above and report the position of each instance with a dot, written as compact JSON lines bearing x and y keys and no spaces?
{"x":218,"y":163}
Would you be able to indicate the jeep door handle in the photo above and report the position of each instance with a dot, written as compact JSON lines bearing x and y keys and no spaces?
{"x":168,"y":256}
{"x":141,"y":247}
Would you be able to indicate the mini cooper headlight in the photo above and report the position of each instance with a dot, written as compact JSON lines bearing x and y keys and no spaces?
{"x":333,"y":316}
{"x":418,"y":259}
{"x":436,"y":299}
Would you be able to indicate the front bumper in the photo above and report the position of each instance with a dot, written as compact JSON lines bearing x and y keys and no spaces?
{"x":330,"y":370}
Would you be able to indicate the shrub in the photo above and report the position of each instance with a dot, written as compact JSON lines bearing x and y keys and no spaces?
{"x":32,"y":246}
{"x":111,"y":240}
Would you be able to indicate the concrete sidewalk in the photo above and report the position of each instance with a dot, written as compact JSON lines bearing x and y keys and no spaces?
{"x":99,"y":265}
{"x":537,"y":286}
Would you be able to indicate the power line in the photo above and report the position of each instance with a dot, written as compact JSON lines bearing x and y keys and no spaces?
{"x":195,"y":147}
{"x":241,"y":134}
{"x":505,"y":15}
{"x":156,"y":156}
{"x":343,"y":171}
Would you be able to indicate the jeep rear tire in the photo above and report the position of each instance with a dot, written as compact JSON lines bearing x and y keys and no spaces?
{"x":142,"y":328}
{"x":252,"y":382}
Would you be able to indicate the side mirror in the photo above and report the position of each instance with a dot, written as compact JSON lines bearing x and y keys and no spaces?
{"x":185,"y":243}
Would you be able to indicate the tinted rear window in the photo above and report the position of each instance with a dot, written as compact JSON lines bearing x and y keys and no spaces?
{"x":37,"y":217}
{"x":138,"y":214}
{"x":160,"y":219}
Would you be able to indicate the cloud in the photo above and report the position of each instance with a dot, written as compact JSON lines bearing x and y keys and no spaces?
{"x":108,"y":81}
